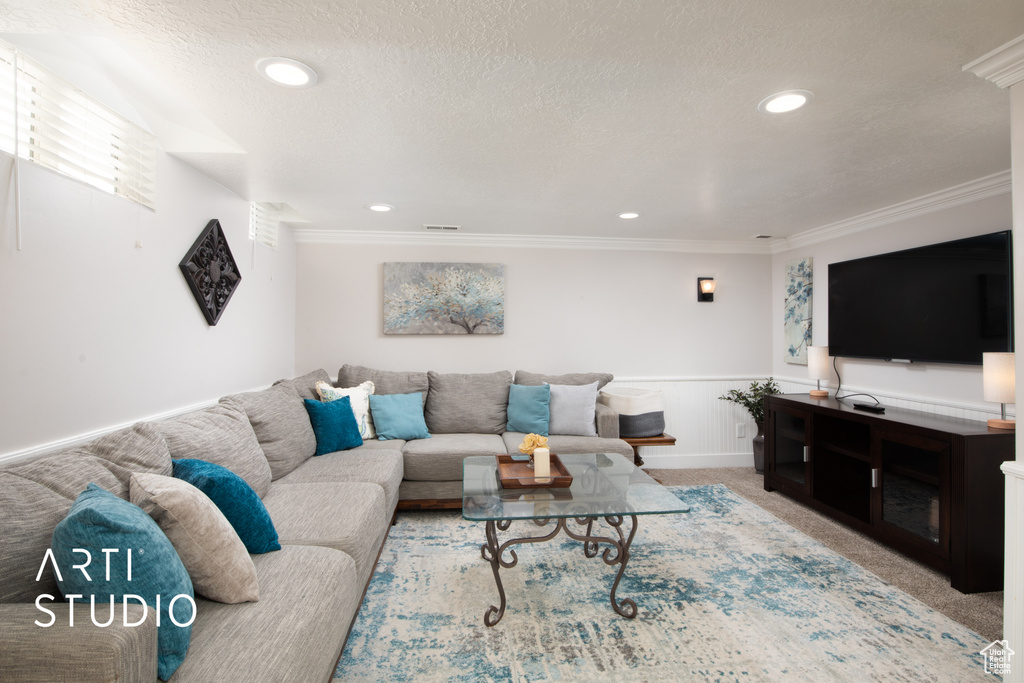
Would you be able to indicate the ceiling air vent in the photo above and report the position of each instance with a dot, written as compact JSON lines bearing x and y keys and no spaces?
{"x":762,"y":237}
{"x":441,"y":228}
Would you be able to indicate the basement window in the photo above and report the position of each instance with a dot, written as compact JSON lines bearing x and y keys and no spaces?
{"x":263,"y":224}
{"x":60,"y":127}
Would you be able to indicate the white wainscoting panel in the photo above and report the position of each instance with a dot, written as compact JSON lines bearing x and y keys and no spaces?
{"x":705,"y":427}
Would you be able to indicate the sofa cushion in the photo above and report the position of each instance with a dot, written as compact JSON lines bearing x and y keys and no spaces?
{"x":560,"y":443}
{"x":207,"y":544}
{"x":334,"y":425}
{"x":350,"y":517}
{"x":235,"y":499}
{"x":281,"y":424}
{"x":573,"y":409}
{"x":98,"y":520}
{"x":468,"y":404}
{"x":398,"y":416}
{"x":304,"y":386}
{"x":572,"y":378}
{"x":379,"y":466}
{"x":295,"y":632}
{"x":529,"y":409}
{"x":36,"y":494}
{"x":219,"y":434}
{"x":384,"y":381}
{"x":85,"y":652}
{"x":440,"y":458}
{"x":359,"y":397}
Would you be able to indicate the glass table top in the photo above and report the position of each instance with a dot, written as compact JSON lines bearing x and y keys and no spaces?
{"x":603,"y":484}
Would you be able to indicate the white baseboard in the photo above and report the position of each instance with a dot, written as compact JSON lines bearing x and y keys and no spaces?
{"x":687,"y":462}
{"x":8,"y":458}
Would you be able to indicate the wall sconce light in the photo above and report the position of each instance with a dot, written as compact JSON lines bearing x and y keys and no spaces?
{"x":705,"y":289}
{"x":999,"y":383}
{"x":817,"y":368}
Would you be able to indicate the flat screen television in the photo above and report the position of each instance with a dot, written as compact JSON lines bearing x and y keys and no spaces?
{"x":943,"y":303}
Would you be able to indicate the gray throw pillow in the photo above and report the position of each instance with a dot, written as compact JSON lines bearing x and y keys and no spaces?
{"x":213,"y":554}
{"x":573,"y":409}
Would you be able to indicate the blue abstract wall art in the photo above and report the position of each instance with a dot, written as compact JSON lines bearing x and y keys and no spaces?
{"x":796,"y":325}
{"x":444,"y":298}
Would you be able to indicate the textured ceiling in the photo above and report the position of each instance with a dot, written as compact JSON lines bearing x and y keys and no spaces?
{"x":525,"y":117}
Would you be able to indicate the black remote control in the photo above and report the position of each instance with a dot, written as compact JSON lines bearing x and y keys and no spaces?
{"x":869,"y":407}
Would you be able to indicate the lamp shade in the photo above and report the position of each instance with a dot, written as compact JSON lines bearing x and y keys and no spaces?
{"x":817,"y":362}
{"x":998,"y":377}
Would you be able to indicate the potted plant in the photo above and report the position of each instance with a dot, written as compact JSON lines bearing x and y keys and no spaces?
{"x":753,"y":400}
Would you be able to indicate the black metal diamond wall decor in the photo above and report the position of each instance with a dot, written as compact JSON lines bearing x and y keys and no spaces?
{"x":211,"y":271}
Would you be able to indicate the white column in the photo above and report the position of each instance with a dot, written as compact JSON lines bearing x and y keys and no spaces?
{"x":1004,"y":66}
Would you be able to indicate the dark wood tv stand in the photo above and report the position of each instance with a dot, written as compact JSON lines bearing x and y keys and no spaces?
{"x":927,"y":486}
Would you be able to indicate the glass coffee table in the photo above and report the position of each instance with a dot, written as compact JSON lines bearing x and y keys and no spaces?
{"x":605,"y":486}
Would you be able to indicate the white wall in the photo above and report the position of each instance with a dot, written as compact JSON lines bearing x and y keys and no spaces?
{"x":97,"y":333}
{"x":633,"y":314}
{"x":932,"y":385}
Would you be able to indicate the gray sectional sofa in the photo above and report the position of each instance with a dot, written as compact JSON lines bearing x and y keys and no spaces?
{"x":466,"y":415}
{"x":331,"y":513}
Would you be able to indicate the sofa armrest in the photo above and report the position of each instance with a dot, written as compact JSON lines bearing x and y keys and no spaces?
{"x":83,"y":652}
{"x":607,"y":422}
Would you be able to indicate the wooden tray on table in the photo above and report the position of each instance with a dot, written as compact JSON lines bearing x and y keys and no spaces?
{"x":517,"y":474}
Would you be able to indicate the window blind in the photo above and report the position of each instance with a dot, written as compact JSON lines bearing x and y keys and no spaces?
{"x":65,"y":130}
{"x":263,"y":224}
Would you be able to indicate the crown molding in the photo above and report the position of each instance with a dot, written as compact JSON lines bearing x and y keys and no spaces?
{"x":1004,"y":66}
{"x":976,"y":190}
{"x":373,"y":237}
{"x":973,"y":191}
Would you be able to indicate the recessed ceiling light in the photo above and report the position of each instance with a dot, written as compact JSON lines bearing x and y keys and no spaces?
{"x":784,"y":101}
{"x":287,"y":72}
{"x":381,"y":207}
{"x":629,"y":215}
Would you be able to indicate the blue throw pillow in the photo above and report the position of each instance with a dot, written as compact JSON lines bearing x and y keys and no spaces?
{"x":334,"y":425}
{"x":528,"y":409}
{"x":400,"y":416}
{"x":100,"y":520}
{"x":236,"y":499}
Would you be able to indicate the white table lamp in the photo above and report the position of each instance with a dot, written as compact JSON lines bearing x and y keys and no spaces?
{"x":817,"y":368}
{"x":999,"y":381}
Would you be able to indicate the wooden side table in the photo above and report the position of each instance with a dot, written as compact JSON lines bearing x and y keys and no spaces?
{"x":662,"y":440}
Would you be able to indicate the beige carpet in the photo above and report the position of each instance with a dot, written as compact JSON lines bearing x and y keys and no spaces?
{"x":982,"y":612}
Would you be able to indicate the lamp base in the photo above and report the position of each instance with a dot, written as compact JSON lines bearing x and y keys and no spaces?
{"x":819,"y":393}
{"x":995,"y":423}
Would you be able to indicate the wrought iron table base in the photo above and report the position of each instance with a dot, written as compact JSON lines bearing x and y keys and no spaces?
{"x":616,"y":553}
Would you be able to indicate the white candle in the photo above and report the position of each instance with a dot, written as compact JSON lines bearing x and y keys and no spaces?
{"x":542,"y":464}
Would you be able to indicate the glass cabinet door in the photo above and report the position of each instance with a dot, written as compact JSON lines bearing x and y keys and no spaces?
{"x":790,"y":446}
{"x":913,"y":488}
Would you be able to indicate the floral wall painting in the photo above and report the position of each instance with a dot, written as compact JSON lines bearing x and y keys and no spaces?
{"x":444,"y":298}
{"x":797,"y":323}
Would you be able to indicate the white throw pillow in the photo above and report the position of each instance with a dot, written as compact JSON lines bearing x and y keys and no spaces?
{"x":573,"y":409}
{"x":359,"y":396}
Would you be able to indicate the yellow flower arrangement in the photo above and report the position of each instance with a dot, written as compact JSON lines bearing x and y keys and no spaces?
{"x":532,"y":441}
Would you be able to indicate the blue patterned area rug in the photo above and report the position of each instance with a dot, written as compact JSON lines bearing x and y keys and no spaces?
{"x":727,"y":592}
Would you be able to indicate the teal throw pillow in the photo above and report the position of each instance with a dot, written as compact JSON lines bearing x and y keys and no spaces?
{"x":236,"y":499}
{"x":528,"y":409}
{"x":334,"y":424}
{"x":98,"y":521}
{"x":398,"y":416}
